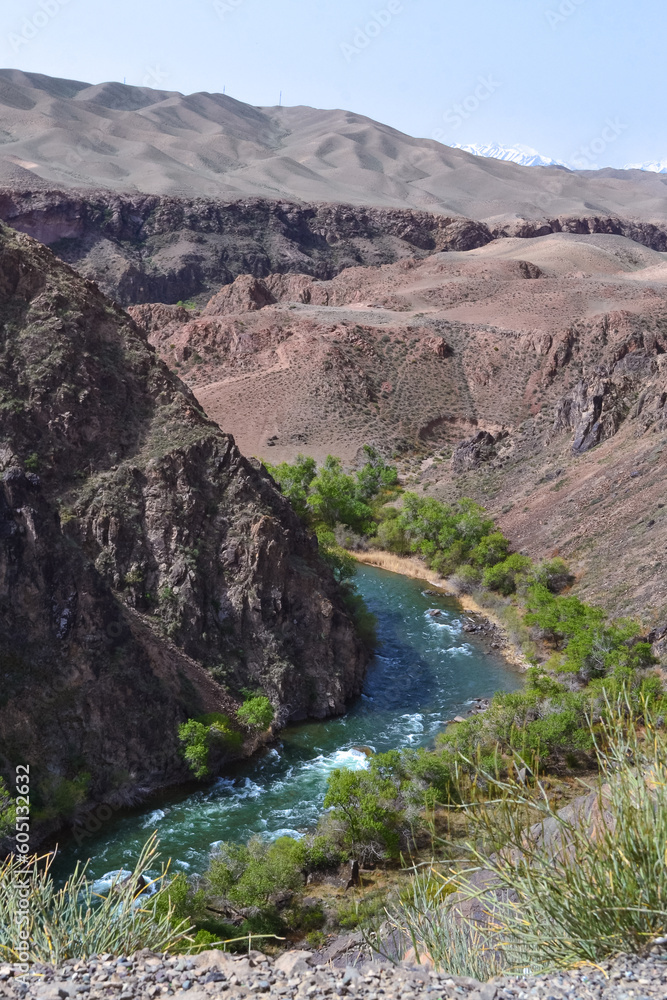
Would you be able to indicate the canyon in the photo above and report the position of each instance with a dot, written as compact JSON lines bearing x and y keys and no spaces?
{"x":189,"y":280}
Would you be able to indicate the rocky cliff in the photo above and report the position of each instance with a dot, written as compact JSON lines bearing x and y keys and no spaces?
{"x":147,"y":570}
{"x":147,"y":248}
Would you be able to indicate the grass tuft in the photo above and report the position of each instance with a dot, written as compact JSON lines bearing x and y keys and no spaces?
{"x":74,"y":922}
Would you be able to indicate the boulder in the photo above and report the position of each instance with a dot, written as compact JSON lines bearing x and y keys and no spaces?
{"x":294,"y":963}
{"x":471,"y":453}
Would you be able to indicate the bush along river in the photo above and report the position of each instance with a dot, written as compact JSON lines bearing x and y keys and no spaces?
{"x":427,"y":670}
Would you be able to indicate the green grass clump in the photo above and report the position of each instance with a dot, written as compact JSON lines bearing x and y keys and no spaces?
{"x":559,"y":887}
{"x":592,"y":883}
{"x":424,"y":917}
{"x":74,"y":922}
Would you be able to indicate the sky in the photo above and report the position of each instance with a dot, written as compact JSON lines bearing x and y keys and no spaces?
{"x":579,"y":80}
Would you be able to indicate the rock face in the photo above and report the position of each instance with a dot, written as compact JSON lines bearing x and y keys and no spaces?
{"x":597,"y":406}
{"x":471,"y":453}
{"x":147,"y":248}
{"x":147,"y":570}
{"x":426,"y":351}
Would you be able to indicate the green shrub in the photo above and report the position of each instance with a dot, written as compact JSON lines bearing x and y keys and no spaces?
{"x":294,"y":481}
{"x":320,"y":853}
{"x":368,"y":809}
{"x":7,"y":810}
{"x":491,"y":549}
{"x":60,"y":797}
{"x":391,"y":535}
{"x":447,"y":561}
{"x":554,"y":574}
{"x":467,"y":578}
{"x":195,"y":738}
{"x":333,"y":499}
{"x":200,"y":736}
{"x":591,"y":646}
{"x":341,"y":562}
{"x":375,"y":476}
{"x":256,"y":713}
{"x":249,"y":874}
{"x":504,"y":576}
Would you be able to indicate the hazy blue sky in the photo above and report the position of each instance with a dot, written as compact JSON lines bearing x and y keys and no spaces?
{"x":558,"y":75}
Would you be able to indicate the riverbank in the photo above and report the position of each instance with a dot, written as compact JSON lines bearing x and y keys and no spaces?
{"x":416,"y":569}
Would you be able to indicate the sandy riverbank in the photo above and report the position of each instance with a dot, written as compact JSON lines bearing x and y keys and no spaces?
{"x":413,"y":567}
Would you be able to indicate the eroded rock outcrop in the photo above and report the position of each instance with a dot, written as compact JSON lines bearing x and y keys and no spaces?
{"x":471,"y":453}
{"x":593,"y":410}
{"x":631,"y":387}
{"x":151,"y":248}
{"x":147,"y":570}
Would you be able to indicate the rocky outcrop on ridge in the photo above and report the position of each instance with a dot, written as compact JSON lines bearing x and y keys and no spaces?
{"x":148,"y":571}
{"x":150,"y":248}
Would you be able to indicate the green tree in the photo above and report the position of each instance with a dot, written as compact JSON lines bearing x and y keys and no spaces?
{"x":295,"y":481}
{"x":375,"y":476}
{"x":365,"y":803}
{"x":504,"y":576}
{"x":333,"y":499}
{"x":491,"y":549}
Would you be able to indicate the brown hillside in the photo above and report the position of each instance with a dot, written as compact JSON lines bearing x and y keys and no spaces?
{"x":553,"y":347}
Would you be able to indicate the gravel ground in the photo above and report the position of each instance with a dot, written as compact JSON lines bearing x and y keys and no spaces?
{"x":214,"y":974}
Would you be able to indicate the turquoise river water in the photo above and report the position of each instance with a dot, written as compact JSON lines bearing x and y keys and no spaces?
{"x":426,"y":670}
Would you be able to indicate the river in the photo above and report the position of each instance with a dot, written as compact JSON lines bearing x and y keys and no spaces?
{"x":426,"y":670}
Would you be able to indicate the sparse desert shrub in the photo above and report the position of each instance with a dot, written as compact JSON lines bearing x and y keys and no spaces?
{"x":554,"y":574}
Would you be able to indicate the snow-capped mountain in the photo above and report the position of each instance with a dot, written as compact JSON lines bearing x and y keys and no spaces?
{"x":657,"y":167}
{"x":523,"y":155}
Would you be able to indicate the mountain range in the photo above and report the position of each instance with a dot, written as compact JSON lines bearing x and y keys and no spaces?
{"x":527,"y":157}
{"x":523,"y":155}
{"x":58,"y":133}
